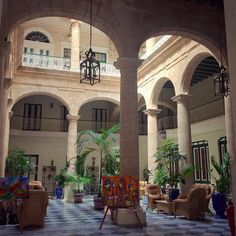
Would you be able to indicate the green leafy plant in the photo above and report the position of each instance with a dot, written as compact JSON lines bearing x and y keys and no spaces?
{"x":17,"y":163}
{"x":160,"y":177}
{"x":103,"y":143}
{"x":223,"y":170}
{"x":167,"y":156}
{"x":65,"y":178}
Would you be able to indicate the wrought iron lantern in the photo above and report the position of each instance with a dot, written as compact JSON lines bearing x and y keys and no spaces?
{"x":162,"y":133}
{"x":90,"y":67}
{"x":221,"y":82}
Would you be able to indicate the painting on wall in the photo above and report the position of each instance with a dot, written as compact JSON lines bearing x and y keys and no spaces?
{"x":119,"y":191}
{"x":14,"y":187}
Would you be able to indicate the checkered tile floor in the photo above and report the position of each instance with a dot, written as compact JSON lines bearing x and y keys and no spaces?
{"x":81,"y":219}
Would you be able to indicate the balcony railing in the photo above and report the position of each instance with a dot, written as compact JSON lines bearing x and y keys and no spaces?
{"x":19,"y":122}
{"x":61,"y":63}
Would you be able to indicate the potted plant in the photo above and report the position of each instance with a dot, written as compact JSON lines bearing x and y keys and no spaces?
{"x":17,"y":163}
{"x":78,"y":192}
{"x":108,"y":154}
{"x":161,"y":178}
{"x":219,"y":198}
{"x":167,"y":157}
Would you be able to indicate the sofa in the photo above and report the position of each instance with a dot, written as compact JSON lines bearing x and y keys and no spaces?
{"x":32,"y":210}
{"x":153,"y":191}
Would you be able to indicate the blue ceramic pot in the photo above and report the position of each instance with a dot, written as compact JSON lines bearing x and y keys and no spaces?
{"x":59,"y":192}
{"x":219,"y":205}
{"x":173,"y":193}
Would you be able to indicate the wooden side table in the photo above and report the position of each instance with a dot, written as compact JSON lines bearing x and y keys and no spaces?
{"x":166,"y":206}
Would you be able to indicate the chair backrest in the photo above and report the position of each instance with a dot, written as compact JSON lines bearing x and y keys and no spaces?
{"x":152,"y":189}
{"x":207,"y":187}
{"x":196,"y":197}
{"x":36,"y":185}
{"x":31,"y":211}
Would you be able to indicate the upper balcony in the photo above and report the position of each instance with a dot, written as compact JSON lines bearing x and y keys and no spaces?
{"x":61,"y":64}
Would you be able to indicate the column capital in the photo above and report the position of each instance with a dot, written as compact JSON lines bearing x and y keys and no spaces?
{"x":152,"y":112}
{"x":72,"y":117}
{"x":127,"y":63}
{"x":180,"y":98}
{"x":7,"y":83}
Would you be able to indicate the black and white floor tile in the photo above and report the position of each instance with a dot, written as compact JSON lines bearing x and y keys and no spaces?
{"x":66,"y":219}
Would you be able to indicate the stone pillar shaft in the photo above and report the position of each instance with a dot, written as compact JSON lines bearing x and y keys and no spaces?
{"x":129,"y":136}
{"x":4,"y":86}
{"x":75,"y":44}
{"x":230,"y":19}
{"x":184,"y":133}
{"x":152,"y":138}
{"x":72,"y":137}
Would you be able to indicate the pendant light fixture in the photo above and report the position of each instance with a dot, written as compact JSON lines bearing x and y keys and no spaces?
{"x":90,"y":67}
{"x":221,"y":80}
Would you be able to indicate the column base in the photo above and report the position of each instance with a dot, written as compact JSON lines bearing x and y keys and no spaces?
{"x":126,"y":217}
{"x":68,"y":194}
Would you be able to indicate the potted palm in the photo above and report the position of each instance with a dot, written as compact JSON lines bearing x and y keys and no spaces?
{"x":219,"y":198}
{"x":167,"y":157}
{"x":103,"y":144}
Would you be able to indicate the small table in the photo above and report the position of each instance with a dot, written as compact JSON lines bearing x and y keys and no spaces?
{"x":166,"y":206}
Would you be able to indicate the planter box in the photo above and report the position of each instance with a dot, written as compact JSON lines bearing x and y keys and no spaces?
{"x":78,"y":197}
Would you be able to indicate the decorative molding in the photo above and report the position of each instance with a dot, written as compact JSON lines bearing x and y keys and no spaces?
{"x":152,"y":112}
{"x":9,"y":101}
{"x":72,"y":117}
{"x":180,"y":98}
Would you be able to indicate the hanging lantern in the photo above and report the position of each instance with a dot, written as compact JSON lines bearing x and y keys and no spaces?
{"x":221,"y":82}
{"x":162,"y":133}
{"x":90,"y":67}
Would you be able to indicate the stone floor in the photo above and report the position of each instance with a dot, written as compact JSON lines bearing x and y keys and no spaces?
{"x":81,"y":219}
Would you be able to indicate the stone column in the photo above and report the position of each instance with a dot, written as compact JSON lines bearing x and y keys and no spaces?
{"x":129,"y":135}
{"x":72,"y":137}
{"x":5,"y":83}
{"x":152,"y":138}
{"x":71,"y":153}
{"x":75,"y":44}
{"x":230,"y":19}
{"x":184,"y":132}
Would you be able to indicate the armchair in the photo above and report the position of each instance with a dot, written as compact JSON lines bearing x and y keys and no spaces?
{"x":31,"y":211}
{"x":153,"y":191}
{"x":191,"y":207}
{"x":205,"y":203}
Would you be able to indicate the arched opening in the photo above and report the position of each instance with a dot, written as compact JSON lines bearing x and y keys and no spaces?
{"x":38,"y":126}
{"x":97,"y":115}
{"x":167,"y":118}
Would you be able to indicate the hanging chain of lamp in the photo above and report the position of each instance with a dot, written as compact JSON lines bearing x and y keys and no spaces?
{"x":90,"y":67}
{"x":162,"y":132}
{"x":221,"y":80}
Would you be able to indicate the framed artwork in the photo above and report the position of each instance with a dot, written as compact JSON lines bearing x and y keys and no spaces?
{"x":118,"y":191}
{"x":14,"y":187}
